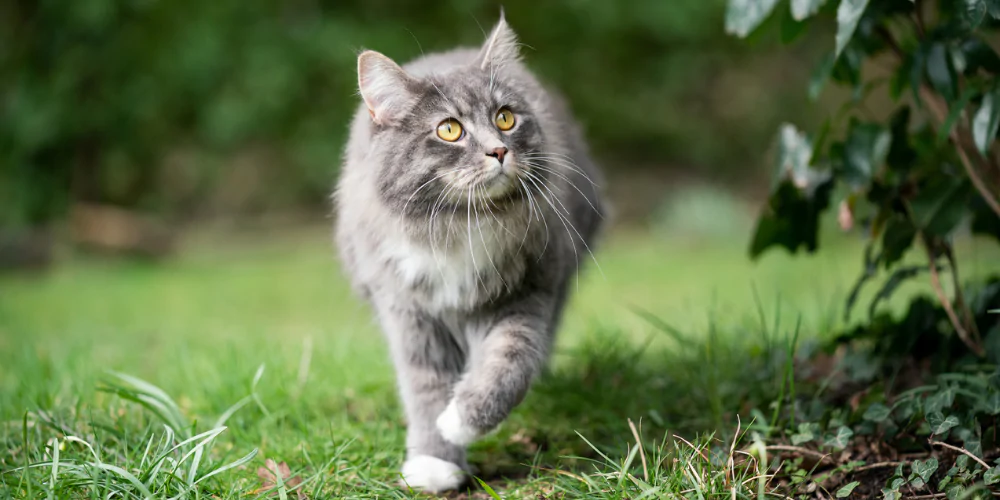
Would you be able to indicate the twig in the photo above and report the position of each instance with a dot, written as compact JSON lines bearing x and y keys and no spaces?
{"x":798,"y":449}
{"x":946,"y":303}
{"x":642,"y":453}
{"x":878,"y":465}
{"x":940,"y":112}
{"x":970,"y":322}
{"x":961,"y":450}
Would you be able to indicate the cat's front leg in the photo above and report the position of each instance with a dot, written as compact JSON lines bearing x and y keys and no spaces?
{"x":428,"y":363}
{"x":514,"y":348}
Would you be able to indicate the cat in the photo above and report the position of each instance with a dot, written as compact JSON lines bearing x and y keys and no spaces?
{"x":466,"y":204}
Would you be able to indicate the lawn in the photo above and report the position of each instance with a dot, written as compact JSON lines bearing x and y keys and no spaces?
{"x":264,"y":321}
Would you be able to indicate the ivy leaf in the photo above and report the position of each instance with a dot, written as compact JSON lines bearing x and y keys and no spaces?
{"x":940,"y":425}
{"x":848,"y":14}
{"x":801,"y":9}
{"x":807,"y":432}
{"x":986,"y":121}
{"x":891,"y":494}
{"x":973,"y":12}
{"x":820,"y":76}
{"x":896,"y":240}
{"x":841,"y":438}
{"x":925,"y":468}
{"x":940,"y":206}
{"x":992,"y":476}
{"x":991,"y":404}
{"x":744,"y":16}
{"x":846,"y":490}
{"x":877,"y":412}
{"x":940,"y":400}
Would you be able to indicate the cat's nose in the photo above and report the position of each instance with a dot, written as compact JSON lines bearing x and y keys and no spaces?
{"x":498,"y":153}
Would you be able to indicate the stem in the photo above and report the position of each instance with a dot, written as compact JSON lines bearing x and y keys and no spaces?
{"x":940,"y":112}
{"x":970,"y":321}
{"x":948,"y":309}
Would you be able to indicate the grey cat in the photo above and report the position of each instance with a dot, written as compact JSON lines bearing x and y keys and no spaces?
{"x":466,"y":204}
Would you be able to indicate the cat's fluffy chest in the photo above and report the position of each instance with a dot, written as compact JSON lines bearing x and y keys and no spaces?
{"x":459,"y":272}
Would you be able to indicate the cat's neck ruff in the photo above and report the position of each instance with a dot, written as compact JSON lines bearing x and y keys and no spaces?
{"x":461,"y":260}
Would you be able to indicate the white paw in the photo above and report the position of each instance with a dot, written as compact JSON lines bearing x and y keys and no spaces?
{"x":427,"y":473}
{"x":453,"y":427}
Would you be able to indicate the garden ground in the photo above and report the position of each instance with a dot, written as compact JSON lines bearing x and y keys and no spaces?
{"x":267,"y":328}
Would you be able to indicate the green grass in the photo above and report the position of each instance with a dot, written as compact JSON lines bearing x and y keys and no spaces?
{"x":271,"y":327}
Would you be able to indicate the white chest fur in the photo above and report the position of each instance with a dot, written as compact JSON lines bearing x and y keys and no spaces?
{"x":450,"y":274}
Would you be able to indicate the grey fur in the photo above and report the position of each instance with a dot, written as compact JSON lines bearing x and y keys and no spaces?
{"x":467,"y":272}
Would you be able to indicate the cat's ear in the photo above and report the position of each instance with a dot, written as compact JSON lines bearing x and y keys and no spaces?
{"x":385,"y":87}
{"x":500,"y":46}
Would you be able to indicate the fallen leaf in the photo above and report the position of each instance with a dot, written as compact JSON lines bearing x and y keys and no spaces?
{"x":269,"y":478}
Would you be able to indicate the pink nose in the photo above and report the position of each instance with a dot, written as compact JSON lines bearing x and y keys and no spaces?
{"x":498,"y":153}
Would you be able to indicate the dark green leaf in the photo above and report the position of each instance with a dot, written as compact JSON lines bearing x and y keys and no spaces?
{"x":877,"y":412}
{"x":896,"y":240}
{"x":986,"y":121}
{"x":992,"y":476}
{"x":807,"y":431}
{"x":841,"y":438}
{"x":940,"y":72}
{"x":791,"y":29}
{"x":845,"y":490}
{"x":984,"y":220}
{"x":868,"y":272}
{"x":898,"y":277}
{"x":902,"y":155}
{"x":864,"y":151}
{"x":993,"y":7}
{"x":939,"y":207}
{"x":820,"y":76}
{"x":925,"y":468}
{"x":801,"y":9}
{"x":991,"y":404}
{"x":891,"y":494}
{"x":956,"y":110}
{"x":940,"y":425}
{"x":940,"y":400}
{"x":979,"y":56}
{"x":973,"y":12}
{"x":743,"y":16}
{"x":848,"y":14}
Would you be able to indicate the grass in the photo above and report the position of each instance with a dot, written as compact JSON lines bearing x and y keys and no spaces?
{"x":267,"y":335}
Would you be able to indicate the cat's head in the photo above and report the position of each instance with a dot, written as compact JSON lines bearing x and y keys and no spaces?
{"x":463,"y":134}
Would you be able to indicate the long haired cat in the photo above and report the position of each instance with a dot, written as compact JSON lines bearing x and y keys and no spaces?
{"x":466,"y":203}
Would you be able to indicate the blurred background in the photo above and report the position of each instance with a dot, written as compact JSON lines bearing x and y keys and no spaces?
{"x":128,"y":125}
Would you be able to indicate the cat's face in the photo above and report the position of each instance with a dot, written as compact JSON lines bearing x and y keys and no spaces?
{"x":467,"y":136}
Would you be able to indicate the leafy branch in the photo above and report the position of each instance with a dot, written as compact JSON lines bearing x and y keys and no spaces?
{"x":903,"y":180}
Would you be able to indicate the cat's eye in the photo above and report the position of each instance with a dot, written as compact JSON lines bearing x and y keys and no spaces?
{"x":504,"y":119}
{"x":450,"y":130}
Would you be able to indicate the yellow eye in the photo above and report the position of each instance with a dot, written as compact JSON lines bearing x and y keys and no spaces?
{"x":450,"y":130}
{"x":504,"y":119}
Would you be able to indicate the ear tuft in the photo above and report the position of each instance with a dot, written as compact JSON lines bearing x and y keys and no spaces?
{"x":500,"y":46}
{"x":385,"y":87}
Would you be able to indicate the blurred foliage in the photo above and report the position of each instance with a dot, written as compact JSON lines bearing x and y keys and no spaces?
{"x":910,"y":179}
{"x":184,"y":107}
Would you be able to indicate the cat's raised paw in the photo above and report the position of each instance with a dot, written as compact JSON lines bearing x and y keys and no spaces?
{"x":431,"y":474}
{"x":454,"y":428}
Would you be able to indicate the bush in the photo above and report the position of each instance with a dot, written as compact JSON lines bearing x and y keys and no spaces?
{"x":909,"y":179}
{"x":160,"y":105}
